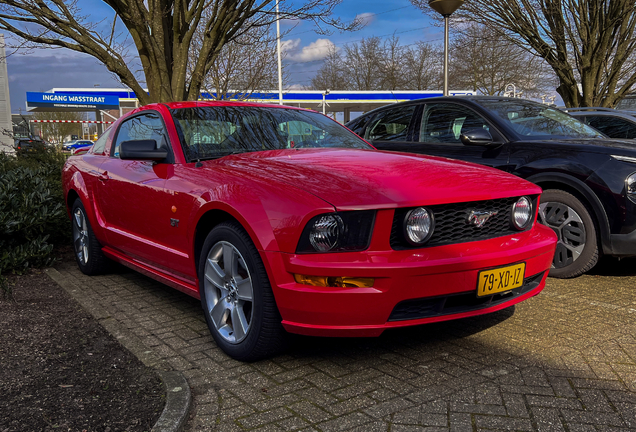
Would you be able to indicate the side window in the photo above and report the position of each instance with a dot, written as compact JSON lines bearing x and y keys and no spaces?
{"x":391,"y":125}
{"x":100,"y":144}
{"x":141,"y":127}
{"x":613,"y":127}
{"x":357,"y":125}
{"x":444,"y":123}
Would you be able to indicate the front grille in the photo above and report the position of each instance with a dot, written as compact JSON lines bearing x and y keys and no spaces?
{"x":451,"y":224}
{"x":458,"y":303}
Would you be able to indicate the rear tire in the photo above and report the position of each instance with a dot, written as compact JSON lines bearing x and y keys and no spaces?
{"x":88,"y":251}
{"x":577,"y":247}
{"x":236,"y":295}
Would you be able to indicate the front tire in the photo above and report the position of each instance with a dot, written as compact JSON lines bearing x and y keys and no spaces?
{"x":236,"y":295}
{"x":88,"y":251}
{"x":577,"y":247}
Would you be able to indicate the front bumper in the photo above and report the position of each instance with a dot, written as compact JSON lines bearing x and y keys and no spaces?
{"x":436,"y":277}
{"x":623,"y":244}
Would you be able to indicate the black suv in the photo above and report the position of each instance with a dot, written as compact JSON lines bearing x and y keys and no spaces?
{"x":613,"y":123}
{"x":589,"y":181}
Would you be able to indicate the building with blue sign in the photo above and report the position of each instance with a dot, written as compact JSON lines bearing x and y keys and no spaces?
{"x":109,"y":104}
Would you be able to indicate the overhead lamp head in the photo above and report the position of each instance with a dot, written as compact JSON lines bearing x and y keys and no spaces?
{"x":445,"y":7}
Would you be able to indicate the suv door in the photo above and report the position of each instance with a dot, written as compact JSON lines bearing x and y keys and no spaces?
{"x":438,"y":133}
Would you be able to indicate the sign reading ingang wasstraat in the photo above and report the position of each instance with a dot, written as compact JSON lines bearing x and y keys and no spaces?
{"x":72,"y":100}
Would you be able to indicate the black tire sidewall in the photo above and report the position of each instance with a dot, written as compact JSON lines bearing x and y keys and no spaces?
{"x":96,"y":261}
{"x":231,"y":233}
{"x":590,"y":254}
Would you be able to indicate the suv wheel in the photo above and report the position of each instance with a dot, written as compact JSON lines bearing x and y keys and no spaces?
{"x":577,"y":247}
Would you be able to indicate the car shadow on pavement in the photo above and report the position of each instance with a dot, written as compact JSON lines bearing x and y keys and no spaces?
{"x":612,"y":266}
{"x":395,"y":339}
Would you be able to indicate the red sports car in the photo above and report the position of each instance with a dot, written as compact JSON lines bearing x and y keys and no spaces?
{"x":281,"y":219}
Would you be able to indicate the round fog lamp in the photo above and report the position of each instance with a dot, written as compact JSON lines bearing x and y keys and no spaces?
{"x":325,"y":233}
{"x":522,"y":213}
{"x":418,"y":225}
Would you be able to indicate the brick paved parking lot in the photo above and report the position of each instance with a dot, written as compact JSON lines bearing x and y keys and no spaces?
{"x":562,"y":361}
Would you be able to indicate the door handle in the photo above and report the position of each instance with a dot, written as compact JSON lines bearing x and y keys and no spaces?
{"x":103,"y":176}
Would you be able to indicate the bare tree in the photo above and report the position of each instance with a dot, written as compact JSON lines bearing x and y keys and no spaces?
{"x":485,"y":62}
{"x":423,"y":67}
{"x":332,"y":74}
{"x":591,"y":42}
{"x":161,"y":31}
{"x":391,"y":62}
{"x":56,"y":131}
{"x":244,"y":65}
{"x":362,"y":62}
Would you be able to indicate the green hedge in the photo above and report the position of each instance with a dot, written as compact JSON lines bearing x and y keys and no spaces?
{"x":32,"y":213}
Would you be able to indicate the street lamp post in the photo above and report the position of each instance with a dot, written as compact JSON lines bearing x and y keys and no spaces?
{"x":324,"y":101}
{"x":280,"y":67}
{"x":446,"y":9}
{"x":514,"y":90}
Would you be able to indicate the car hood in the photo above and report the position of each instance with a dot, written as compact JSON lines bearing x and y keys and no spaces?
{"x":359,"y":179}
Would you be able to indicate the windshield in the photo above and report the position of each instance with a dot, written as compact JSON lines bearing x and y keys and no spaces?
{"x":216,"y":131}
{"x":533,"y":120}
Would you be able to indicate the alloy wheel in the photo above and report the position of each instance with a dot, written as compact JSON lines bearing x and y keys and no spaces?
{"x":569,"y":228}
{"x":229,"y":293}
{"x":80,"y":236}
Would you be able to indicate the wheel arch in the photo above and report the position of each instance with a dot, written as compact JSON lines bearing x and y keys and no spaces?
{"x":71,"y":197}
{"x":584,"y":194}
{"x":205,"y":224}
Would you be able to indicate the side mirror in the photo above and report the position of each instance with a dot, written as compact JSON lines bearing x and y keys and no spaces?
{"x":476,"y":137}
{"x":141,"y":150}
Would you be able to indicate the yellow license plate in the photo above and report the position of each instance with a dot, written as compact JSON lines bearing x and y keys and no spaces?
{"x":500,"y":279}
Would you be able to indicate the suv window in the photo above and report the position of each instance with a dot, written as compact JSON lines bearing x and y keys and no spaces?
{"x":391,"y":125}
{"x":145,"y":126}
{"x":357,"y":125}
{"x":444,"y":123}
{"x":614,"y":127}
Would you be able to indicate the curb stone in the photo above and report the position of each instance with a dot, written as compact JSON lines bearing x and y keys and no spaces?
{"x":178,"y":399}
{"x":178,"y":394}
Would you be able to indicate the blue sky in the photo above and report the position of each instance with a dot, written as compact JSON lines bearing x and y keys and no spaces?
{"x":44,"y":69}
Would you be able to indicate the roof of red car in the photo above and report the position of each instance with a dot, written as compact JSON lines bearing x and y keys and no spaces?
{"x":191,"y":104}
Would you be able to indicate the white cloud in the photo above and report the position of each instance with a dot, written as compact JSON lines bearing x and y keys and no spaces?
{"x":289,"y":45}
{"x":365,"y":18}
{"x":296,"y":87}
{"x":317,"y":50}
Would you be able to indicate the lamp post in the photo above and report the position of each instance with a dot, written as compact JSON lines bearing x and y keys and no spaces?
{"x":324,"y":101}
{"x":280,"y":67}
{"x":446,"y":9}
{"x":514,"y":90}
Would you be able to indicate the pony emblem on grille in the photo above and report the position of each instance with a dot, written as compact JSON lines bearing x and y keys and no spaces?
{"x":479,"y":217}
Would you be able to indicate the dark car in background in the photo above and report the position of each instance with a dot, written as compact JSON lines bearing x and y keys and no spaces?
{"x":613,"y":123}
{"x":28,"y":145}
{"x":589,"y":180}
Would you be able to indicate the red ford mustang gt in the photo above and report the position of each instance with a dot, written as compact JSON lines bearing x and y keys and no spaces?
{"x":281,"y":219}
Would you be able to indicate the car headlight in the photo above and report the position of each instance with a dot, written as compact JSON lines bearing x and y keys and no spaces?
{"x":522,"y":213}
{"x":630,"y":185}
{"x":325,"y":232}
{"x":418,"y":226}
{"x":337,"y":232}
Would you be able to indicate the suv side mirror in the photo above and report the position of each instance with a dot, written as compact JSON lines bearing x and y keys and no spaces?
{"x":141,"y":150}
{"x":476,"y":137}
